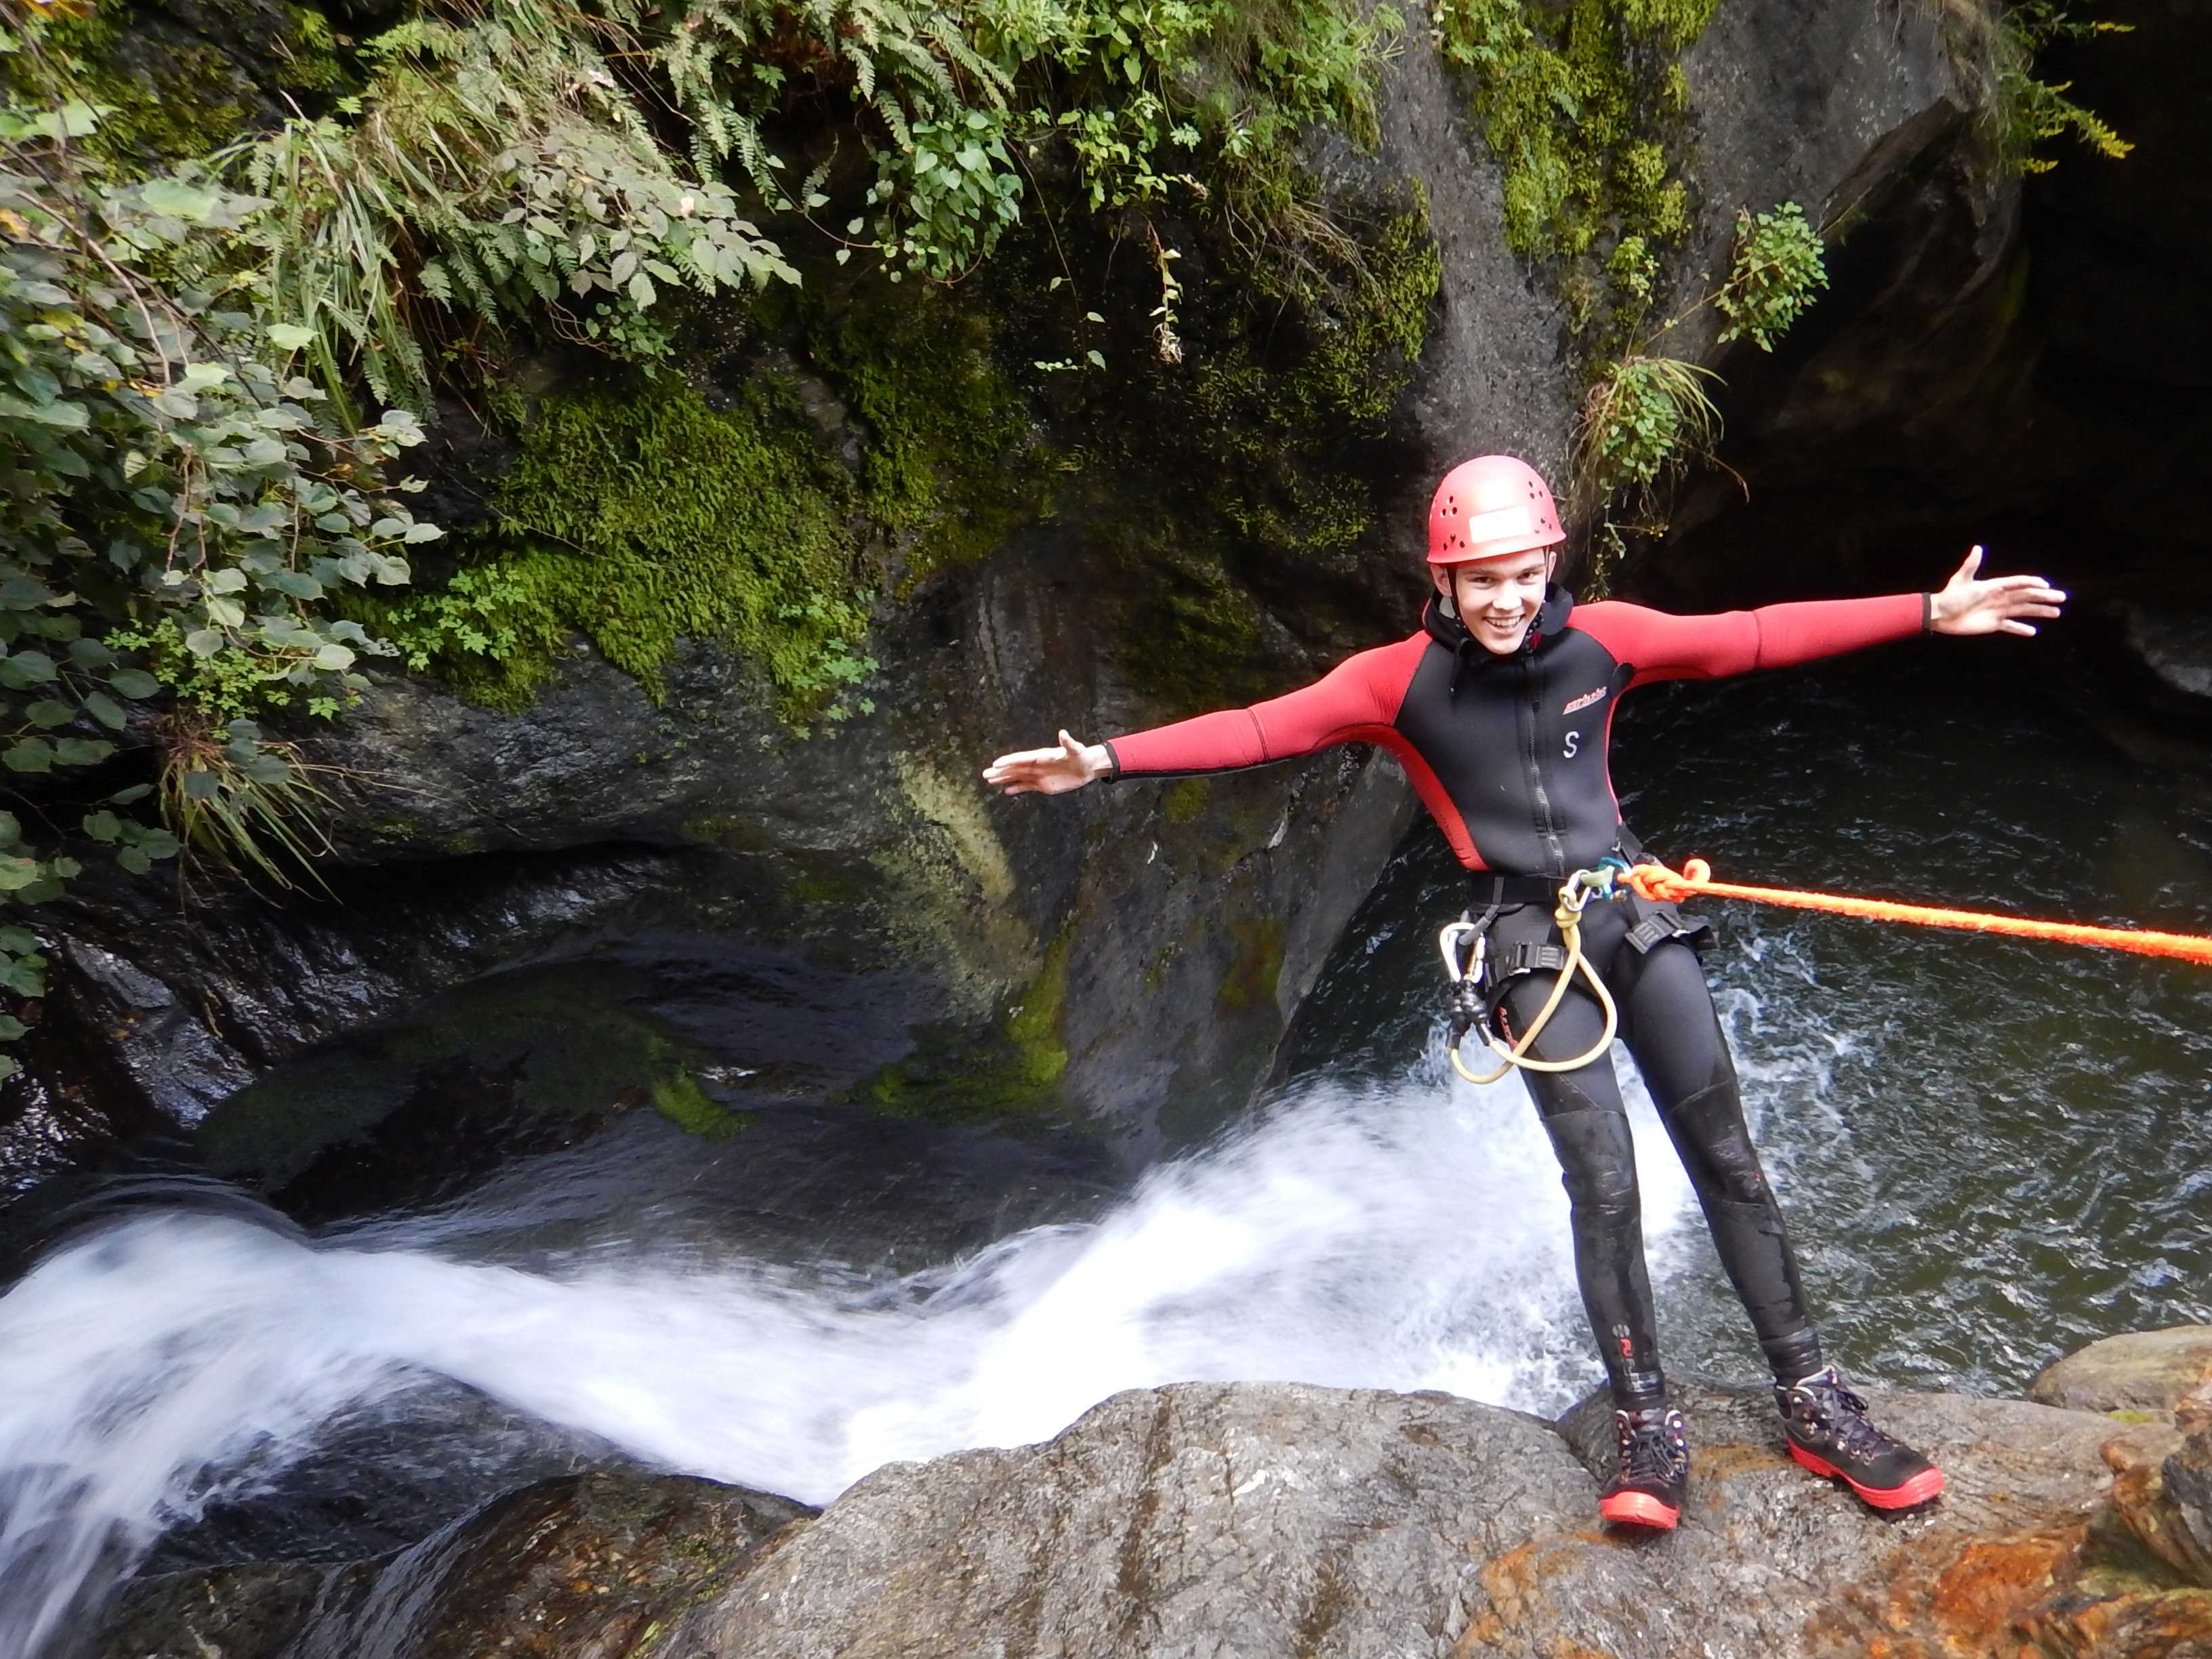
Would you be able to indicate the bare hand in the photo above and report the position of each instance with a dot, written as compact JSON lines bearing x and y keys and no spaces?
{"x":1048,"y":771}
{"x":1996,"y":606}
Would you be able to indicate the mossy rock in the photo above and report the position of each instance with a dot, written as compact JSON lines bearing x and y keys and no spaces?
{"x":959,"y":1075}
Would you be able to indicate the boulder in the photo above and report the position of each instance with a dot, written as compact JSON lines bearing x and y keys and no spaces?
{"x":1270,"y":1519}
{"x":587,"y":1567}
{"x":2149,"y":1372}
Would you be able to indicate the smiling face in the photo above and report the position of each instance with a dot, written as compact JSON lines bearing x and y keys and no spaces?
{"x":1497,"y":598}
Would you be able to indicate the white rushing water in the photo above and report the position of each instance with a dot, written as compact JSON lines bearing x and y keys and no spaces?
{"x":1406,"y":1237}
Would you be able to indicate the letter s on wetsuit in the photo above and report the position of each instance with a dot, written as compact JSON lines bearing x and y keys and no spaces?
{"x":1510,"y":756}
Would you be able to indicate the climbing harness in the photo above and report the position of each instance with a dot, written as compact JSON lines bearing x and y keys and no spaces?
{"x":1615,"y":878}
{"x":1656,"y":882}
{"x":1471,"y":1012}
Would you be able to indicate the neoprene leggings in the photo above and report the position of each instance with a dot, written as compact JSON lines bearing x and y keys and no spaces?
{"x":1672,"y":1030}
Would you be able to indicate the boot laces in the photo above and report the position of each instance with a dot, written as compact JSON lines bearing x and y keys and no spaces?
{"x":1841,"y":1414}
{"x":1653,"y":1446}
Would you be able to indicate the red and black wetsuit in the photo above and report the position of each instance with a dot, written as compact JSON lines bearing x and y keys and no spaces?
{"x":1509,"y":754}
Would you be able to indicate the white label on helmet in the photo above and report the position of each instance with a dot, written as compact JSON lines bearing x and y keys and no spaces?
{"x":1500,"y":522}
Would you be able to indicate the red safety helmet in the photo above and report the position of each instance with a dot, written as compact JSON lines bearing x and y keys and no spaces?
{"x":1489,"y":506}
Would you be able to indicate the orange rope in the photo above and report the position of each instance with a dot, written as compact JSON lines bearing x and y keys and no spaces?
{"x":1657,"y":881}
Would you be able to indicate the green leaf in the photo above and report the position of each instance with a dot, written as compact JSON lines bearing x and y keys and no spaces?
{"x":19,"y":941}
{"x":136,"y":792}
{"x":334,"y":658}
{"x":103,"y":826}
{"x":47,"y":713}
{"x":26,"y":668}
{"x":11,"y":833}
{"x":10,"y":1029}
{"x":24,"y":593}
{"x":423,"y":532}
{"x":290,"y":337}
{"x":294,"y":584}
{"x":82,"y":751}
{"x":17,"y":873}
{"x":202,"y":642}
{"x":28,"y":755}
{"x":104,"y":710}
{"x":135,"y":682}
{"x":201,"y":784}
{"x":134,"y":859}
{"x":174,"y":199}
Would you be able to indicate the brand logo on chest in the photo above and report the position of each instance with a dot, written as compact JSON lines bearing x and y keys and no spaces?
{"x":1585,"y":700}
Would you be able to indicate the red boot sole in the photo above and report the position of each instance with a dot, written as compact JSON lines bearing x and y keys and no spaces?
{"x":1637,"y":1509}
{"x":1923,"y":1486}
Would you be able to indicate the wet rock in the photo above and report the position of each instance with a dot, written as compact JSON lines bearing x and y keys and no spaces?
{"x":2142,"y":1372}
{"x":2170,"y":655}
{"x":584,"y":1567}
{"x":1277,"y":1519}
{"x":2161,"y":1480}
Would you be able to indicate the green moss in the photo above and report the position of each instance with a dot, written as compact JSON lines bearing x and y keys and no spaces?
{"x":1033,"y":1024}
{"x":170,"y":100}
{"x":167,"y":106}
{"x":1194,"y":638}
{"x":957,"y":1075}
{"x":1581,"y":103}
{"x":1279,"y":421}
{"x":1250,"y":986}
{"x":640,"y":520}
{"x":1184,"y":801}
{"x":681,"y":1100}
{"x":946,"y":460}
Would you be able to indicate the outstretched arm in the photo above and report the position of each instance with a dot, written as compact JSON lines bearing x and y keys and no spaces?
{"x":1665,"y":647}
{"x":1357,"y":700}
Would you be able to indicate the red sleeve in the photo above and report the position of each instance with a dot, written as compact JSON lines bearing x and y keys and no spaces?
{"x":1356,"y":701}
{"x":1663,"y":647}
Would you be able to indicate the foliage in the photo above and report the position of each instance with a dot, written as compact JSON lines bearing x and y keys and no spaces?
{"x":242,"y":803}
{"x":1142,"y":98}
{"x":1646,"y":417}
{"x":1777,"y":264}
{"x":180,"y":511}
{"x":1577,"y":101}
{"x":498,"y":169}
{"x":2030,"y":111}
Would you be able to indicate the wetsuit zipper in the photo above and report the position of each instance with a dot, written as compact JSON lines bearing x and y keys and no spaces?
{"x":1542,"y":801}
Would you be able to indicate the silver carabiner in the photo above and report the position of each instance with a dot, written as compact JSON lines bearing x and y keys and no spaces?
{"x":1448,"y":941}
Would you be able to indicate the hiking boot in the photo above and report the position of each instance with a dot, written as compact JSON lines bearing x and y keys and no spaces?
{"x":1654,"y":1476}
{"x":1828,"y":1432}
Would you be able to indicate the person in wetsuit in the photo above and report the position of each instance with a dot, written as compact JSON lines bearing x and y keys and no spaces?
{"x":1500,"y":709}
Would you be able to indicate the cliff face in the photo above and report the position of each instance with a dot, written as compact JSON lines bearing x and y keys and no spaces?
{"x":1138,"y":559}
{"x":1265,"y":1519}
{"x":2017,"y":364}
